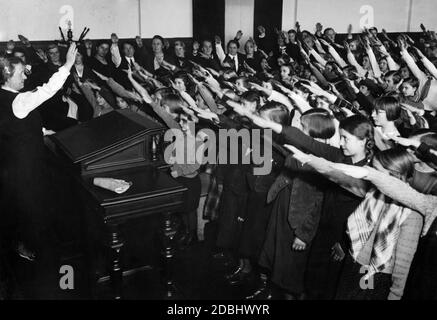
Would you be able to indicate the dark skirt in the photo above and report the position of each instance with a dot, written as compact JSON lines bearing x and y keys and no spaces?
{"x":25,"y":200}
{"x":323,"y":271}
{"x":286,"y":266}
{"x":422,"y":281}
{"x":254,"y":225}
{"x":352,"y":286}
{"x":232,"y":211}
{"x":192,"y":196}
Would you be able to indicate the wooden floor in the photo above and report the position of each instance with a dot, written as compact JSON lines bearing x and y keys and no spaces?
{"x":198,"y":276}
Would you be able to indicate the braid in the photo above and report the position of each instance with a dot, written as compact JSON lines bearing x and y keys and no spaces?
{"x":370,"y":144}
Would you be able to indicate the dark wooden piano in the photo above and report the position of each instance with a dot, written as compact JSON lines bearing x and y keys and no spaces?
{"x":121,"y":145}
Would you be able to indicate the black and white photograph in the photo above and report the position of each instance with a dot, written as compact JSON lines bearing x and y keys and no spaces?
{"x":218,"y":155}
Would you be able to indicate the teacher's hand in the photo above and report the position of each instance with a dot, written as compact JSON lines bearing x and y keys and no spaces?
{"x":71,"y":55}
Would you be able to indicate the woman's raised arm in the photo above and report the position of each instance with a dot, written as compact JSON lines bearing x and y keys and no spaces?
{"x":26,"y":102}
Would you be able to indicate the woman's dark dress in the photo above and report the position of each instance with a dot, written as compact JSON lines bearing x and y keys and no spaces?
{"x":258,"y":210}
{"x":232,"y":205}
{"x":323,"y":272}
{"x":255,"y":61}
{"x":298,"y":197}
{"x":351,"y":279}
{"x":23,"y":171}
{"x":422,"y":279}
{"x":232,"y":208}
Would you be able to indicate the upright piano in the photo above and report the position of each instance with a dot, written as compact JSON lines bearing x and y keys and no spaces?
{"x":128,"y":146}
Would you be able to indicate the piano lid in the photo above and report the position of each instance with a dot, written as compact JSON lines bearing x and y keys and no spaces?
{"x":98,"y":135}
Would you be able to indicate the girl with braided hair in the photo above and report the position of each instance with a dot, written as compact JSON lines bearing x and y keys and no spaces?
{"x":356,"y":147}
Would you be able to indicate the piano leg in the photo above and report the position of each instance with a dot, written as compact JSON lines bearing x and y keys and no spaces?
{"x":116,"y":245}
{"x":168,"y":242}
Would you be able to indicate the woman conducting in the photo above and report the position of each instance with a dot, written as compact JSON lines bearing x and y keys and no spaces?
{"x":24,"y":183}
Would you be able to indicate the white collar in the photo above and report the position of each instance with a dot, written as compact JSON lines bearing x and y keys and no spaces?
{"x":9,"y":89}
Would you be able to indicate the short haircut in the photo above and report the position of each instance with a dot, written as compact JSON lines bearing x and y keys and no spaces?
{"x":250,"y":41}
{"x":361,"y":58}
{"x":233,"y":42}
{"x":325,"y":32}
{"x":164,"y":91}
{"x":102,"y":42}
{"x":20,"y":50}
{"x":128,"y":43}
{"x":398,"y":161}
{"x":7,"y":66}
{"x":229,"y":72}
{"x":52,"y":46}
{"x":251,"y":96}
{"x":173,"y":101}
{"x":286,"y":59}
{"x":179,"y":43}
{"x":412,"y":82}
{"x":319,"y":123}
{"x":290,"y":68}
{"x":276,"y":112}
{"x":159,"y":38}
{"x":245,"y":81}
{"x":182,"y":75}
{"x":350,"y":68}
{"x":396,"y":76}
{"x":430,"y":139}
{"x":390,"y":105}
{"x":427,"y":136}
{"x":206,"y":40}
{"x":300,"y":86}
